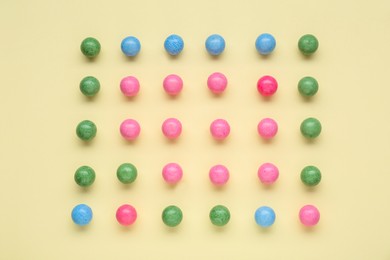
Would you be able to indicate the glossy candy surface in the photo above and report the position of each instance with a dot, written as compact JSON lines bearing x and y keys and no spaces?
{"x":86,"y":130}
{"x":172,"y":216}
{"x":174,"y":44}
{"x":308,"y":86}
{"x":309,"y":215}
{"x":265,"y":43}
{"x":308,"y":44}
{"x":219,"y":175}
{"x":173,"y":84}
{"x":219,"y":215}
{"x":82,"y":214}
{"x":220,"y":129}
{"x":217,"y":82}
{"x":89,"y":86}
{"x":126,"y":215}
{"x":267,"y":86}
{"x":172,"y":173}
{"x":84,"y":176}
{"x":130,"y":46}
{"x":268,"y":173}
{"x":129,"y":86}
{"x":267,"y":128}
{"x":171,"y":128}
{"x":311,"y":128}
{"x":130,"y":129}
{"x":127,"y":173}
{"x":311,"y":176}
{"x":215,"y":44}
{"x":265,"y":216}
{"x":90,"y":47}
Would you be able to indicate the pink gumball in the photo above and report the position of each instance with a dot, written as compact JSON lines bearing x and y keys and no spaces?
{"x":220,"y":129}
{"x":309,"y":215}
{"x":219,"y":175}
{"x":171,"y":128}
{"x":172,"y":173}
{"x":267,"y":128}
{"x":217,"y":82}
{"x":130,"y":129}
{"x":268,"y":173}
{"x":173,"y":84}
{"x":129,"y":86}
{"x":267,"y":85}
{"x":126,"y":215}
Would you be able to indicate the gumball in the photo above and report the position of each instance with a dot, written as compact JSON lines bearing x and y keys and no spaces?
{"x":126,"y":215}
{"x":309,"y":215}
{"x":130,"y":129}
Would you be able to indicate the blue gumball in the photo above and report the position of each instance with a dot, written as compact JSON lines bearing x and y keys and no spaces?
{"x":215,"y":44}
{"x":82,"y":214}
{"x":265,"y":216}
{"x":265,"y":43}
{"x":130,"y":46}
{"x":174,"y":44}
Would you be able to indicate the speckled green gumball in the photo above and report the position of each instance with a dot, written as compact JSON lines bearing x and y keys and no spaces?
{"x":308,"y":86}
{"x":84,"y":176}
{"x":90,"y":47}
{"x":86,"y":130}
{"x":127,"y":173}
{"x":311,"y":128}
{"x":172,"y":216}
{"x":219,"y":215}
{"x":308,"y":44}
{"x":310,"y":176}
{"x":89,"y":86}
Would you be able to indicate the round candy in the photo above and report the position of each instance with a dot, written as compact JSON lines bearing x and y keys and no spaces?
{"x":265,"y":216}
{"x":174,"y":44}
{"x":217,"y":82}
{"x":219,"y":175}
{"x":268,"y":173}
{"x":173,"y":84}
{"x":311,"y":176}
{"x":171,"y":128}
{"x":172,"y":173}
{"x":267,"y":128}
{"x":215,"y":44}
{"x":126,"y":173}
{"x":172,"y":216}
{"x":129,"y":86}
{"x":219,"y":215}
{"x":89,"y":86}
{"x":267,"y":85}
{"x":90,"y":47}
{"x":308,"y":86}
{"x":309,"y":215}
{"x":86,"y":130}
{"x":126,"y":215}
{"x":130,"y":129}
{"x":265,"y":43}
{"x":308,"y":44}
{"x":82,"y":214}
{"x":130,"y":46}
{"x":84,"y":176}
{"x":220,"y":129}
{"x":311,"y":128}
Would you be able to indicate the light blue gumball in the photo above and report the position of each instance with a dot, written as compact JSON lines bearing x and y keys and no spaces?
{"x":265,"y":216}
{"x":174,"y":44}
{"x":215,"y":44}
{"x":265,"y":43}
{"x":130,"y":46}
{"x":82,"y":214}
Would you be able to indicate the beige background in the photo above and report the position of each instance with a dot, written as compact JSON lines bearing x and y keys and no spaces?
{"x":41,"y":66}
